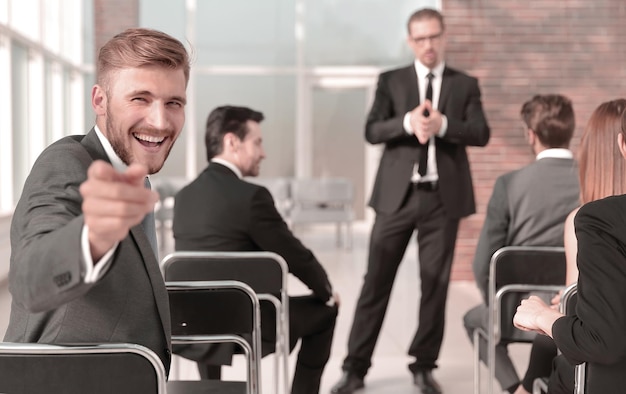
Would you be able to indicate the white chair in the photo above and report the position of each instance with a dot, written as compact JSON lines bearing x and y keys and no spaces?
{"x":280,"y":189}
{"x":167,"y":187}
{"x":323,"y":200}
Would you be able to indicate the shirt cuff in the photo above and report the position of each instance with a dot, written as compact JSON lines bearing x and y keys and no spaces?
{"x":406,"y":123}
{"x":444,"y":126}
{"x":93,"y":272}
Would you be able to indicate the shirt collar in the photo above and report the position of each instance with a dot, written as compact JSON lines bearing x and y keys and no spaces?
{"x":115,"y":160}
{"x":228,"y":164}
{"x":422,"y":70}
{"x":556,"y":153}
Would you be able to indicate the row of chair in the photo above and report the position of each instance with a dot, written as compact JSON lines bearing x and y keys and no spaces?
{"x":515,"y":273}
{"x":299,"y":201}
{"x":214,"y":297}
{"x":231,"y":285}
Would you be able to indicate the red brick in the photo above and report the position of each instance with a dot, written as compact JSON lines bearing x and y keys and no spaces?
{"x":518,"y":49}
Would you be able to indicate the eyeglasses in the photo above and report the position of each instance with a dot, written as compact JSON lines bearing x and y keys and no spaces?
{"x":431,"y":38}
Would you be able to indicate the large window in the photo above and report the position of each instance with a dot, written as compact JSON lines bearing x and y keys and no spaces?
{"x":309,"y":65}
{"x":42,"y":64}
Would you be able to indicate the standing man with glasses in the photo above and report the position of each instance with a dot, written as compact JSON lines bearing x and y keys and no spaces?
{"x":425,"y":114}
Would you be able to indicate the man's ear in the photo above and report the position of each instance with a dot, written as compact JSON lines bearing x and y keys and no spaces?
{"x":531,"y":136}
{"x":99,"y":100}
{"x":621,"y":144}
{"x":231,"y":142}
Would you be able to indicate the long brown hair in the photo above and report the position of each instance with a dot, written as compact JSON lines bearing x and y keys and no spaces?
{"x":601,"y":166}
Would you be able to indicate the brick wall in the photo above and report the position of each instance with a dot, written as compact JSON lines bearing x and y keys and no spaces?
{"x":518,"y":49}
{"x":112,"y":17}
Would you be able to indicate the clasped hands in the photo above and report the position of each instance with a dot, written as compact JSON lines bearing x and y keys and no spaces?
{"x":423,"y":126}
{"x":533,"y":314}
{"x":113,"y":202}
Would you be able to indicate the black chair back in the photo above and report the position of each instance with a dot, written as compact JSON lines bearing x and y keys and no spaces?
{"x":77,"y":369}
{"x":265,"y":272}
{"x":208,"y":312}
{"x":520,"y":271}
{"x":258,"y":270}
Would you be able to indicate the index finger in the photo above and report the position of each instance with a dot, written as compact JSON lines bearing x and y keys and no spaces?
{"x":135,"y":174}
{"x":101,"y":170}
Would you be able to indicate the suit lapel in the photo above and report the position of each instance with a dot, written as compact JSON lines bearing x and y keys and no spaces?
{"x":446,"y":88}
{"x":412,"y":88}
{"x":156,"y":278}
{"x":94,"y":147}
{"x":97,"y":152}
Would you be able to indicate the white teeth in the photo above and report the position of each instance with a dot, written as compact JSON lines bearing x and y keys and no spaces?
{"x":149,"y":138}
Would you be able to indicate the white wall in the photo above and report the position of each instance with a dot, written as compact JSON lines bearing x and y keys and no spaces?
{"x":5,"y":248}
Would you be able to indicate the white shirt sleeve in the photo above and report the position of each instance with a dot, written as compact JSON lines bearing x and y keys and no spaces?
{"x":444,"y":126}
{"x":93,"y":272}
{"x":406,"y":123}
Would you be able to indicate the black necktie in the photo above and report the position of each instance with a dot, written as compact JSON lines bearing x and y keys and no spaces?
{"x":423,"y":163}
{"x":149,"y":226}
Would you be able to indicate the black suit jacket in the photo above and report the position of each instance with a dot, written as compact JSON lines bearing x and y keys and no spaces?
{"x":459,"y":100}
{"x":51,"y":302}
{"x":596,"y":334}
{"x":220,"y":212}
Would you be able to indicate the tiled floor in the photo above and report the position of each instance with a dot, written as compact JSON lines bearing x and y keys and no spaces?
{"x":389,"y":372}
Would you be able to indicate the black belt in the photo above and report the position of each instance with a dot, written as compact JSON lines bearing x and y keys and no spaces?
{"x":430,"y":186}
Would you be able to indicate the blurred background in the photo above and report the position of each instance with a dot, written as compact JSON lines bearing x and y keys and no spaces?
{"x":311,"y":66}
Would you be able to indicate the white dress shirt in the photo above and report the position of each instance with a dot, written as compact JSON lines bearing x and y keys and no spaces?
{"x":422,"y":72}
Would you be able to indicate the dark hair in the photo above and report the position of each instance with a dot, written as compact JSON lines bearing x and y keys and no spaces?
{"x":137,"y":47}
{"x":425,"y":13}
{"x":224,"y":120}
{"x":551,"y":118}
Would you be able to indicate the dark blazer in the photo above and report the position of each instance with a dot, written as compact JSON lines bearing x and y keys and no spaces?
{"x":459,"y":100}
{"x":528,"y":207}
{"x":248,"y":221}
{"x":595,"y":334}
{"x":51,"y":303}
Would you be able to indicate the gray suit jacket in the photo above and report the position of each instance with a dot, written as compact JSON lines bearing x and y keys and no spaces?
{"x":51,"y":303}
{"x":528,"y":207}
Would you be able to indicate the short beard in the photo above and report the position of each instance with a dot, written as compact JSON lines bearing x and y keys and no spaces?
{"x":116,"y":143}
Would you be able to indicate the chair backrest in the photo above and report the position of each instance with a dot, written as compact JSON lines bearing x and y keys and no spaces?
{"x":515,"y":273}
{"x":265,"y":272}
{"x":569,"y":299}
{"x":167,"y":187}
{"x":279,"y":188}
{"x":73,"y":369}
{"x":331,"y":191}
{"x":218,"y":312}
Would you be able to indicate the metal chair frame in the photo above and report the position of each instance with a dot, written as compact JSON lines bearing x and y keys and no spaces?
{"x":496,"y":296}
{"x":251,"y":351}
{"x":281,"y":305}
{"x":568,"y":307}
{"x":101,"y":349}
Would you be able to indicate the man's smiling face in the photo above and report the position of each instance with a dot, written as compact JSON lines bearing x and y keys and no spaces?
{"x":143,"y":110}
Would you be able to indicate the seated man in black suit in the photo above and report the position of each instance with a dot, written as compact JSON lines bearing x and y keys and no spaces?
{"x":219,"y":211}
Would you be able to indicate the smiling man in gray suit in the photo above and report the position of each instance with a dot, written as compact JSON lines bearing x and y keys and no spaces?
{"x":83,"y":270}
{"x":528,"y":206}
